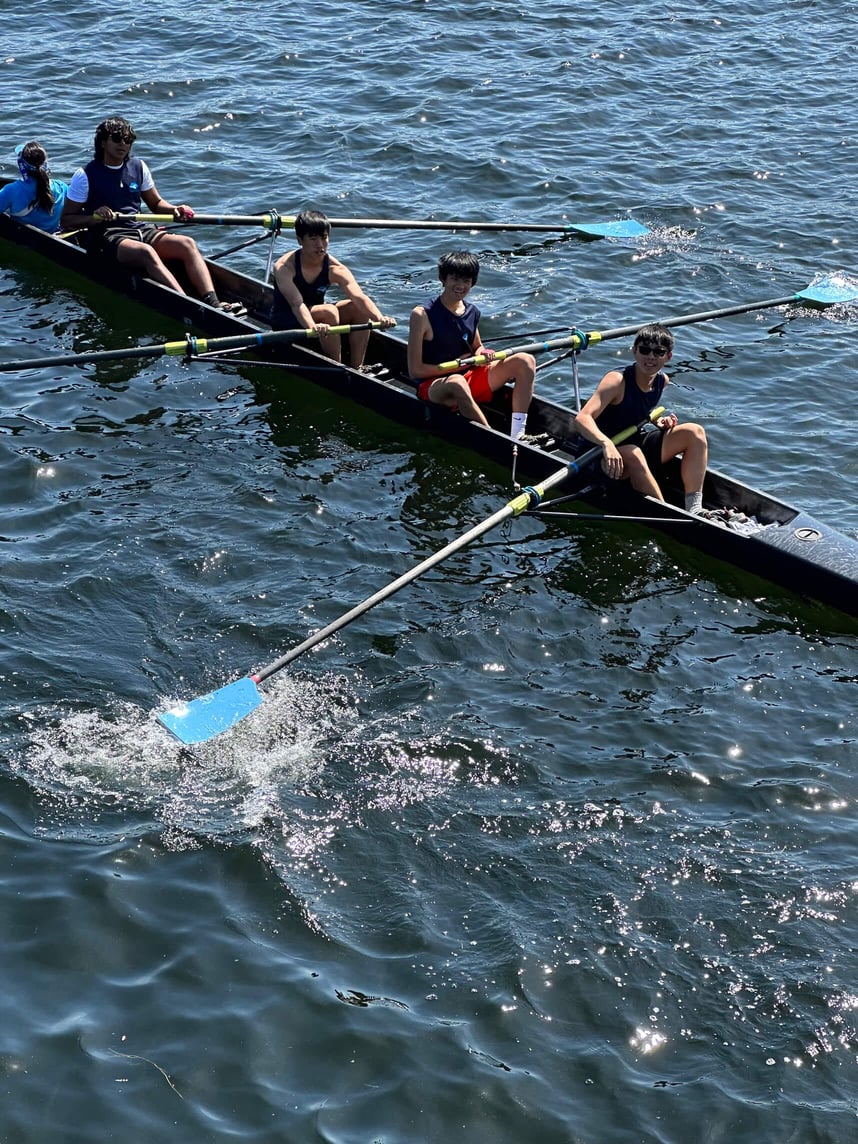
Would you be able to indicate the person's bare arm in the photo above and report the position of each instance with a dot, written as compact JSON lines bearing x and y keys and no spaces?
{"x":609,"y":391}
{"x":418,"y":328}
{"x":284,"y":277}
{"x":341,"y":276}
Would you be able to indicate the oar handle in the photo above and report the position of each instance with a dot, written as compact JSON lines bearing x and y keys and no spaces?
{"x":272,"y":221}
{"x":195,"y":346}
{"x":576,"y":340}
{"x":528,"y":498}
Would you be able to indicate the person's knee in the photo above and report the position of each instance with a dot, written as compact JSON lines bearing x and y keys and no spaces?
{"x":359,"y":308}
{"x":177,"y":246}
{"x":327,"y":314}
{"x":453,"y":391}
{"x":138,"y":254}
{"x":634,"y":463}
{"x":524,"y":368}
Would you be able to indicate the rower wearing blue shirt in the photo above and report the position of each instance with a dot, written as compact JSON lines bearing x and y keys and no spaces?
{"x":35,"y":198}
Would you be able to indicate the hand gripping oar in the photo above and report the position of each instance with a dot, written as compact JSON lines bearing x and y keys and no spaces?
{"x":616,"y":228}
{"x":208,"y":716}
{"x":829,"y":291}
{"x":191,"y":347}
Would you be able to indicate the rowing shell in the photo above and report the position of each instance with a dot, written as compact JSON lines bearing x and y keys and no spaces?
{"x":791,"y":548}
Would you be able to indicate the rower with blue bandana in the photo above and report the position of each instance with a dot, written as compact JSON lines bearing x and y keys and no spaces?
{"x":35,"y":198}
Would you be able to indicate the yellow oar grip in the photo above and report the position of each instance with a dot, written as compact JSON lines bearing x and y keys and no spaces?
{"x":179,"y":349}
{"x":523,"y":501}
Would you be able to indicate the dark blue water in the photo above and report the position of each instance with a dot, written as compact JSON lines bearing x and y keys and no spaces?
{"x":557,"y":844}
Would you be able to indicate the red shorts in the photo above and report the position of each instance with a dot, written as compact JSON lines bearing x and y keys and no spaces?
{"x":478,"y":383}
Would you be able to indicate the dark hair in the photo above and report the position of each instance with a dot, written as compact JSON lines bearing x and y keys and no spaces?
{"x":311,"y":224}
{"x":461,"y":263}
{"x":33,"y":164}
{"x":116,"y":125}
{"x":654,"y":332}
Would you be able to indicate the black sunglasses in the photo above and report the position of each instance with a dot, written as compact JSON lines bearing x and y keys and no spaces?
{"x":122,"y":136}
{"x":657,"y":348}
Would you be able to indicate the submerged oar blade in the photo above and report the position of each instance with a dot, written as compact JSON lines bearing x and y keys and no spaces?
{"x":831,"y":290}
{"x":210,"y":715}
{"x":617,"y":228}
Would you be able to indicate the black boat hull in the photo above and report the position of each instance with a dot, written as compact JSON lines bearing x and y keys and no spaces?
{"x":793,"y":549}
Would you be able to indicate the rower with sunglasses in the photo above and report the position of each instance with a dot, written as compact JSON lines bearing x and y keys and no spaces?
{"x":102,"y":200}
{"x":627,"y":397}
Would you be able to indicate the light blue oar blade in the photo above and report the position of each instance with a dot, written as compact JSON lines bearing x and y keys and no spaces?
{"x":619,"y":228}
{"x":831,"y":290}
{"x":203,"y":718}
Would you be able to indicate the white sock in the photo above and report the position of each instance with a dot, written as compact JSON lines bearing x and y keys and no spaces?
{"x":693,"y":502}
{"x":519,"y":423}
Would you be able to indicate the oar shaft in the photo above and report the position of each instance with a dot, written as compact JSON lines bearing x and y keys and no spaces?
{"x":689,"y":319}
{"x":519,"y":504}
{"x":513,"y":508}
{"x":451,"y":224}
{"x":191,"y":347}
{"x":531,"y":348}
{"x":593,"y":336}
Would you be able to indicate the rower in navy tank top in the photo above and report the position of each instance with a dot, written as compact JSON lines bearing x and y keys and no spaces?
{"x":446,"y":330}
{"x":312,"y":294}
{"x":303,"y":277}
{"x":453,"y":334}
{"x":121,"y":187}
{"x":636,"y":404}
{"x":627,"y":397}
{"x":102,"y":200}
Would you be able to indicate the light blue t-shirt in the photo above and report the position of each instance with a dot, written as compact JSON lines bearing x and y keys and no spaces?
{"x":16,"y":199}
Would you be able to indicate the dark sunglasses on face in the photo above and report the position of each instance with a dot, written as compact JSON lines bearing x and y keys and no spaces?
{"x":122,"y":137}
{"x":658,"y":349}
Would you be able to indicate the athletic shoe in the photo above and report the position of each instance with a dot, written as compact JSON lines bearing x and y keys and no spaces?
{"x":711,"y":515}
{"x":236,"y":309}
{"x":377,"y":370}
{"x":543,"y":441}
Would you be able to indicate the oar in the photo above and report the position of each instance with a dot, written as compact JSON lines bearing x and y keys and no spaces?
{"x":827,"y":292}
{"x":208,"y":716}
{"x":191,"y":347}
{"x":616,"y":228}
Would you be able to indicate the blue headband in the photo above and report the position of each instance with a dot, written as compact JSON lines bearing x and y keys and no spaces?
{"x":29,"y":168}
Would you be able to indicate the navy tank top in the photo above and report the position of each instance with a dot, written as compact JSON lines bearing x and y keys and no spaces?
{"x":452,"y":334}
{"x":116,"y":187}
{"x":312,"y":294}
{"x":636,"y":405}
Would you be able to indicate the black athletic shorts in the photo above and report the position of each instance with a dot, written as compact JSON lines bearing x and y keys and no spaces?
{"x":106,"y":240}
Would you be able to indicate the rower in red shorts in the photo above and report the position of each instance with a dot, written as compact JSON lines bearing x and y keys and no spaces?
{"x":447,"y":328}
